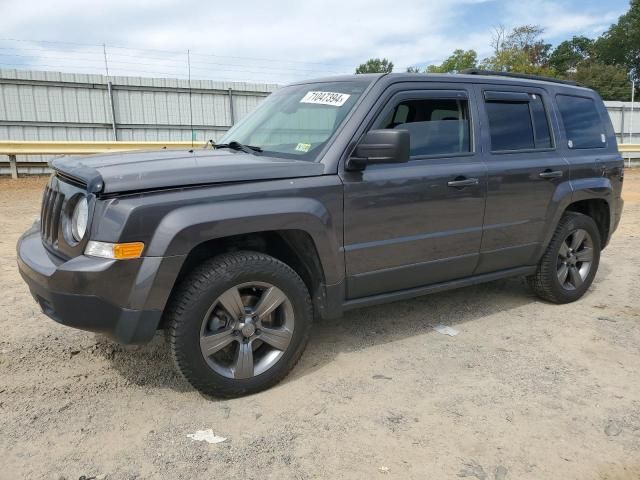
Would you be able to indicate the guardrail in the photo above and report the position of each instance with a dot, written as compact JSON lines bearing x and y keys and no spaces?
{"x":14,"y":147}
{"x":11,"y":148}
{"x":629,"y":148}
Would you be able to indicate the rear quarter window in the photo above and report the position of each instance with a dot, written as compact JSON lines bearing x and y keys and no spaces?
{"x":582,"y":122}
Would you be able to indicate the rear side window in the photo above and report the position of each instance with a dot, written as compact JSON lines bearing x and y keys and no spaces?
{"x":517,"y":121}
{"x":582,"y":122}
{"x":436,"y":126}
{"x":510,"y":126}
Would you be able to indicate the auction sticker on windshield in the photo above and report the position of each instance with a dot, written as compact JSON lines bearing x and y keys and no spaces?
{"x":326,"y":98}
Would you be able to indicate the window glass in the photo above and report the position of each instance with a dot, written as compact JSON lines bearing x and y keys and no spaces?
{"x":297,"y":121}
{"x":582,"y":122}
{"x":510,"y":126}
{"x":540,"y":122}
{"x":435,"y":126}
{"x":401,"y":113}
{"x":517,"y":121}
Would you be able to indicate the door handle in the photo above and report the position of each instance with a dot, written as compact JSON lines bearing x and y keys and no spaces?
{"x":551,"y":174}
{"x":460,"y":182}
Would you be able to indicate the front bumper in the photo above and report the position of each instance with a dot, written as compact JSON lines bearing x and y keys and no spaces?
{"x":121,"y":298}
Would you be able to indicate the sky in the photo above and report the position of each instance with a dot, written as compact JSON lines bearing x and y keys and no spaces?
{"x":275,"y":41}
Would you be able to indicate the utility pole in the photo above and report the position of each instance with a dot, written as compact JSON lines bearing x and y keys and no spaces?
{"x":106,"y":64}
{"x":110,"y":94}
{"x":632,"y":74}
{"x":633,"y":98}
{"x":190,"y":102}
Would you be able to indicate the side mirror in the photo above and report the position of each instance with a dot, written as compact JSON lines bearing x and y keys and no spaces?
{"x":380,"y":146}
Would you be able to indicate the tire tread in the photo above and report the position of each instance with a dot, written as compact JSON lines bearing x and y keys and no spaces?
{"x":220,"y":268}
{"x":542,"y":281}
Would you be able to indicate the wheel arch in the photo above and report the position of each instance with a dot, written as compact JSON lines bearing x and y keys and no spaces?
{"x":589,"y":196}
{"x":293,"y":247}
{"x":599,"y":210}
{"x":184,"y":229}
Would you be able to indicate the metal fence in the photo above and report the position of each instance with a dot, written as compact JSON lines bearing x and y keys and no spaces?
{"x":53,"y":106}
{"x":626,"y":121}
{"x":57,"y":106}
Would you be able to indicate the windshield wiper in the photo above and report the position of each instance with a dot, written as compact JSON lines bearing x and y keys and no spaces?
{"x":233,"y":145}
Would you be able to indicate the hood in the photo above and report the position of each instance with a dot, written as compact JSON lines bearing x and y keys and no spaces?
{"x":143,"y":170}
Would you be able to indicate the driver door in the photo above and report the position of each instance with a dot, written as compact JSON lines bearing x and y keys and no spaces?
{"x":418,"y":223}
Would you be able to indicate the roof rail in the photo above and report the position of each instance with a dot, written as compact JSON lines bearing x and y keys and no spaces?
{"x":479,"y":71}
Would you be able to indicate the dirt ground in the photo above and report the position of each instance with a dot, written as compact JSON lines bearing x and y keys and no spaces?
{"x":526,"y":390}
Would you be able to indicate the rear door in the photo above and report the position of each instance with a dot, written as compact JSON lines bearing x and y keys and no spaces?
{"x":524,"y":170}
{"x":417,"y":223}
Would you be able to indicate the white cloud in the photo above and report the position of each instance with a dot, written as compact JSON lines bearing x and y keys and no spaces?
{"x":275,"y":41}
{"x":560,"y":20}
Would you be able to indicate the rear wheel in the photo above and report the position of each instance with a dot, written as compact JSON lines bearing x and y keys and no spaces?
{"x":239,"y":323}
{"x":570,"y":262}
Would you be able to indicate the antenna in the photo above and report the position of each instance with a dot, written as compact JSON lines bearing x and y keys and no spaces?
{"x":190,"y":104}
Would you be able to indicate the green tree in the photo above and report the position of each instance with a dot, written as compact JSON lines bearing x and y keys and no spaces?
{"x":526,"y":38}
{"x":521,"y":50}
{"x":569,"y":54}
{"x":620,"y":45}
{"x":458,"y":61}
{"x":610,"y":81}
{"x":413,"y":69}
{"x":375,"y":65}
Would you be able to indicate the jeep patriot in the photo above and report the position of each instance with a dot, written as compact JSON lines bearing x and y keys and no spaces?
{"x":333,"y":194}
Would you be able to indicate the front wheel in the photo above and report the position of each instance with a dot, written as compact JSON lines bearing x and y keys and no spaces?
{"x":239,"y":323}
{"x":570,"y":262}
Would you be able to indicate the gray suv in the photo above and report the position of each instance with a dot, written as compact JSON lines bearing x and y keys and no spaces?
{"x":334,"y":194}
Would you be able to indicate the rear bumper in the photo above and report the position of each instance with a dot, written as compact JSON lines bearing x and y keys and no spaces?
{"x":123,"y":299}
{"x":618,"y":215}
{"x":615,"y":214}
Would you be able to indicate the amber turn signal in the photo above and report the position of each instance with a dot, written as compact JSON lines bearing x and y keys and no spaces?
{"x":116,"y":251}
{"x":122,"y":251}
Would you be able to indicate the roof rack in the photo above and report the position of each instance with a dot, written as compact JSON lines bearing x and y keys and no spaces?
{"x":479,"y":71}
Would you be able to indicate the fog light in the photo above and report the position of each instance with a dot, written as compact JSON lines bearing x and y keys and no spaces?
{"x":117,"y":251}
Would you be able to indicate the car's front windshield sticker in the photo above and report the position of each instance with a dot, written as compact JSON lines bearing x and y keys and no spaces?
{"x":326,"y":98}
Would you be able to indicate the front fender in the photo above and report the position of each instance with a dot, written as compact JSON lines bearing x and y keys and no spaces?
{"x":173,"y":222}
{"x":182,"y":229}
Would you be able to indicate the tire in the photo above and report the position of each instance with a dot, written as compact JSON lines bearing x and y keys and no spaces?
{"x":563,"y":259}
{"x":224,"y":348}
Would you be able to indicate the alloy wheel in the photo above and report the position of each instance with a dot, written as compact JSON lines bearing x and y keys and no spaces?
{"x":575,"y":258}
{"x":247,"y":330}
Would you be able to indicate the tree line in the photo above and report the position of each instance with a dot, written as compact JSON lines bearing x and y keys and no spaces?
{"x":606,"y":63}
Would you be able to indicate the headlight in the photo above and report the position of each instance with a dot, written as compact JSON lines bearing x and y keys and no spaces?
{"x":79,"y":219}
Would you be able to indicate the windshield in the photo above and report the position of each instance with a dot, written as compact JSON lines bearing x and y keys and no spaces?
{"x":297,"y":121}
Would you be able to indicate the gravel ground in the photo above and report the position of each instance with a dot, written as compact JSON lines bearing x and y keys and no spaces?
{"x":526,"y":390}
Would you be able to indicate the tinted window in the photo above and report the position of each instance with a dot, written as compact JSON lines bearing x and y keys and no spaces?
{"x":518,"y":124}
{"x":540,"y":122}
{"x":582,"y":122}
{"x":510,"y":126}
{"x":436,"y":127}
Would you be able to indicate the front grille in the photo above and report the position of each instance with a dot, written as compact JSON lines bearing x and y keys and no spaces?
{"x":58,"y":200}
{"x":50,"y":214}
